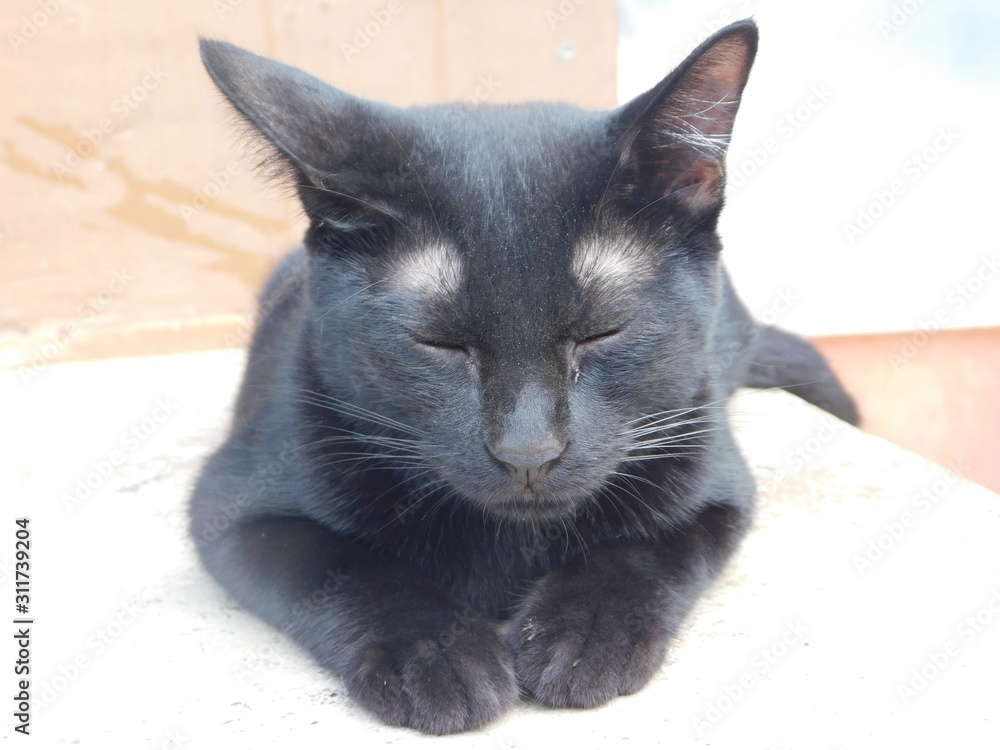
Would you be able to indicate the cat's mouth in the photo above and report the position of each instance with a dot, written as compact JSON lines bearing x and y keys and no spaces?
{"x":543,"y":494}
{"x":533,"y":504}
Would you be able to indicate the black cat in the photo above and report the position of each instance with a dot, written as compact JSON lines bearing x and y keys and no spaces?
{"x":481,"y":443}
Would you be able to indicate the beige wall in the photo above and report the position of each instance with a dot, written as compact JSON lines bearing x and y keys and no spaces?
{"x":133,"y":223}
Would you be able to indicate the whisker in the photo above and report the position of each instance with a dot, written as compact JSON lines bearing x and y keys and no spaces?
{"x":379,"y":440}
{"x":346,"y":408}
{"x":719,"y":405}
{"x":379,"y":209}
{"x":348,"y":298}
{"x":669,"y":439}
{"x":629,"y":459}
{"x":664,"y":426}
{"x":637,"y":478}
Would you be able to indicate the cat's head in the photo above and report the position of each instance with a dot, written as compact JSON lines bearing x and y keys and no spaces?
{"x":525,"y":287}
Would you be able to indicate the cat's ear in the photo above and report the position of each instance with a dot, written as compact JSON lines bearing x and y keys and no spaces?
{"x":334,"y":146}
{"x":675,"y":136}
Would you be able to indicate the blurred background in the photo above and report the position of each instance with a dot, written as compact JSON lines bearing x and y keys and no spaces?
{"x":861,"y":175}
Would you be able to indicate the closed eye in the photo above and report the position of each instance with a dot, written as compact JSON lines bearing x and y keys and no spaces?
{"x":443,"y":346}
{"x":598,"y":338}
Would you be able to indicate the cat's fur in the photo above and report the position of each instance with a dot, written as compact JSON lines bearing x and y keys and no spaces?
{"x":481,"y":444}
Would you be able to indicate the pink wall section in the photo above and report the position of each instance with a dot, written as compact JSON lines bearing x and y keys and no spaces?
{"x":937,"y":394}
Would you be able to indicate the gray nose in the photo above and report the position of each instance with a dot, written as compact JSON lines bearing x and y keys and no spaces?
{"x":528,"y":462}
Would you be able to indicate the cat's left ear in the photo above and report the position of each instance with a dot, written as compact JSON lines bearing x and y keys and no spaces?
{"x":675,"y":136}
{"x":340,"y":151}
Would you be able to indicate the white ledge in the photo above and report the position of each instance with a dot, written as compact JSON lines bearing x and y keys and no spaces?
{"x":863,"y":610}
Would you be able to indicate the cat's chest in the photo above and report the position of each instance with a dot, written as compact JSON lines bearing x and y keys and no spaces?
{"x":485,"y":565}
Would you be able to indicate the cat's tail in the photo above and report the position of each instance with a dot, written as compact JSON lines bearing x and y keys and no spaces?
{"x":783,"y":360}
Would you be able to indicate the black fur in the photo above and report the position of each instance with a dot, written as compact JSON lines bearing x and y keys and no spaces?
{"x":408,"y":470}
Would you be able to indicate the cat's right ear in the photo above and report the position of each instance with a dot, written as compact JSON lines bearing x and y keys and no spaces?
{"x":676,"y":135}
{"x":334,"y":146}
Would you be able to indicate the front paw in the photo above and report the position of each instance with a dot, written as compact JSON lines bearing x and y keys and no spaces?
{"x":581,"y":651}
{"x":452,"y":677}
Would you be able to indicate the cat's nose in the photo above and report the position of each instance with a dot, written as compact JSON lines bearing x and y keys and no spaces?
{"x":528,"y":462}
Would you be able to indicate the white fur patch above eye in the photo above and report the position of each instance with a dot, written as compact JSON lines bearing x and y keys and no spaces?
{"x":601,"y":262}
{"x":432,"y":271}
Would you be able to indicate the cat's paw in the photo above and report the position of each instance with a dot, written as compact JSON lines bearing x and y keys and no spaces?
{"x":455,"y":678}
{"x":583,"y":652}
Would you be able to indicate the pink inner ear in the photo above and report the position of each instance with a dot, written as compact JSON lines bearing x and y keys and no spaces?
{"x":688,"y":166}
{"x":699,"y":186}
{"x":685,"y":141}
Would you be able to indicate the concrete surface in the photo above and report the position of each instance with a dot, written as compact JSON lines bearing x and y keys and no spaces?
{"x":862,"y":612}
